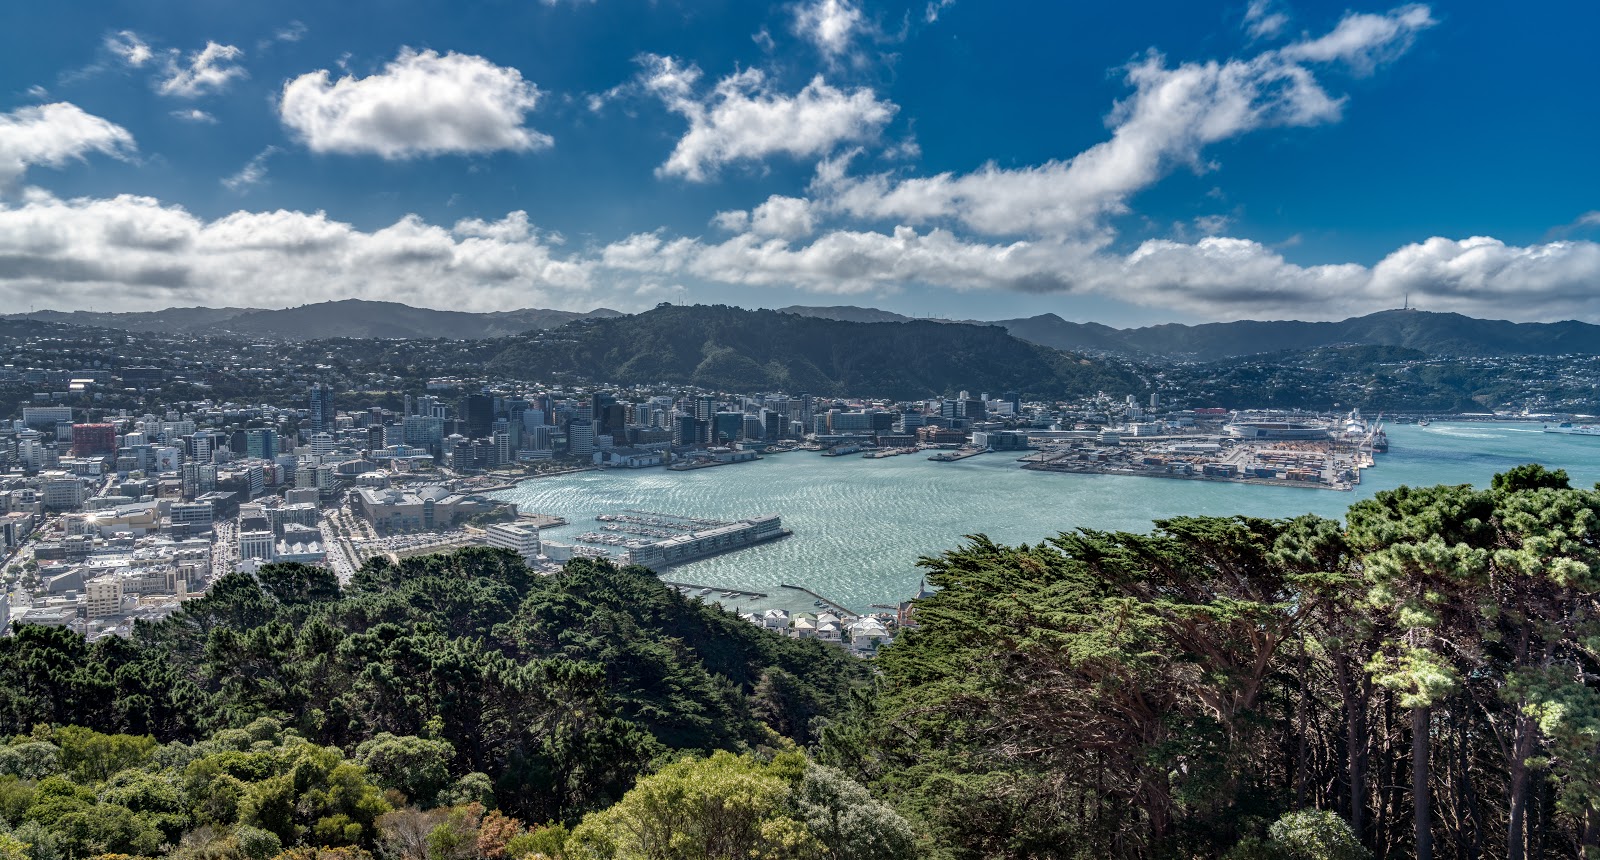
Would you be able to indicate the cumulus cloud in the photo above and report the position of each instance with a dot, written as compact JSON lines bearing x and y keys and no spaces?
{"x":252,"y":174}
{"x":126,"y":46}
{"x":830,"y":25}
{"x":1173,"y":113}
{"x":744,"y":119}
{"x":209,"y":70}
{"x":421,"y":104}
{"x":53,"y":134}
{"x":132,"y":252}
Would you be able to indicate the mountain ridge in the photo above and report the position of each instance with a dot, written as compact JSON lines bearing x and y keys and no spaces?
{"x":1434,"y":333}
{"x":729,"y":348}
{"x":348,"y":318}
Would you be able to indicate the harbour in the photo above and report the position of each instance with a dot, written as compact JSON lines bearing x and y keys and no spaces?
{"x":861,"y":524}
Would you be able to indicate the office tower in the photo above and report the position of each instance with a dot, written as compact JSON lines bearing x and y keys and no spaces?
{"x":321,"y":409}
{"x":727,"y":427}
{"x":261,"y":443}
{"x":478,"y":412}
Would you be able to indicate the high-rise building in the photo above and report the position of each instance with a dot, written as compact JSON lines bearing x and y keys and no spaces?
{"x":478,"y":412}
{"x":704,"y":408}
{"x":104,"y":596}
{"x":424,"y":431}
{"x":94,"y":440}
{"x":321,"y":409}
{"x":502,"y":449}
{"x":727,"y":427}
{"x":580,"y":439}
{"x":261,"y":443}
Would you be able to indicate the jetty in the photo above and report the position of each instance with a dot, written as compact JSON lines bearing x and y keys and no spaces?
{"x":832,"y":604}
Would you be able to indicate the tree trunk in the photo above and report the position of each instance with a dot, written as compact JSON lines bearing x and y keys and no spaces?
{"x":1303,"y":752}
{"x":1421,"y":719}
{"x":1517,"y":821}
{"x":1355,"y":742}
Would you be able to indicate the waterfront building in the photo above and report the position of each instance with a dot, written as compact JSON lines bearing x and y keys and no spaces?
{"x":418,"y":509}
{"x":727,"y":427}
{"x":685,"y":548}
{"x":520,"y":539}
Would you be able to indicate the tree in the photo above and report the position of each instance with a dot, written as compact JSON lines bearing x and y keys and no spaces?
{"x":716,"y":808}
{"x":417,"y":767}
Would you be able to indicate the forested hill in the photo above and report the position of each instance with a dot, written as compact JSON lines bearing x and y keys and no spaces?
{"x":721,"y":347}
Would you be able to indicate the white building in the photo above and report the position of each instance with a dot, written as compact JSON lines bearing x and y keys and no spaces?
{"x":520,"y":539}
{"x":257,"y":545}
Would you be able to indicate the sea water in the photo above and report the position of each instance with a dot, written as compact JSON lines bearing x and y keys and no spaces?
{"x":861,"y":525}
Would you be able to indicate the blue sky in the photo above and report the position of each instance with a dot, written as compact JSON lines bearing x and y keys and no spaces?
{"x":1129,"y":163}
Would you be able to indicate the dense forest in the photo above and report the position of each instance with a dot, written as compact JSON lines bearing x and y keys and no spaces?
{"x":1419,"y":680}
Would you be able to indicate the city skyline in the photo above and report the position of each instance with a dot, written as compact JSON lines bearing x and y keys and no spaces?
{"x":1133,"y":165}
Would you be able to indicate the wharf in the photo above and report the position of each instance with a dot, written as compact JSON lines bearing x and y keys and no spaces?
{"x":952,"y":456}
{"x":688,"y":587}
{"x":834,"y":604}
{"x":1105,"y":469}
{"x":541,"y":521}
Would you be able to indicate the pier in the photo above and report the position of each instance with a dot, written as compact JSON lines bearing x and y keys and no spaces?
{"x":692,"y":589}
{"x":959,"y":454}
{"x":833,"y":604}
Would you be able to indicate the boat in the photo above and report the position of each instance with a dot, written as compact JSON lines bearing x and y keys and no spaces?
{"x":1567,"y":428}
{"x":1423,"y":422}
{"x":704,"y":591}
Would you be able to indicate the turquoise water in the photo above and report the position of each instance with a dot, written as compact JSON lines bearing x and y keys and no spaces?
{"x":860,"y":525}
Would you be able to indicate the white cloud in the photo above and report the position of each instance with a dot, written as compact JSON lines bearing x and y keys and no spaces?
{"x":1363,"y":41}
{"x":1589,"y":219}
{"x":53,"y":134}
{"x":1172,"y":115}
{"x":421,"y":104}
{"x":830,"y":25}
{"x":126,"y":46}
{"x":294,"y":32}
{"x":212,"y":69}
{"x":743,"y":119}
{"x":1261,"y":21}
{"x":194,"y":115}
{"x":132,"y":252}
{"x":252,"y":174}
{"x":1215,"y":277}
{"x":935,"y":9}
{"x":783,"y":217}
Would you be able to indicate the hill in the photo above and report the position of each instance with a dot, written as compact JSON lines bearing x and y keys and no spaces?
{"x":721,"y":347}
{"x":845,"y":313}
{"x":169,"y":321}
{"x":352,"y":318}
{"x":1437,"y":334}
